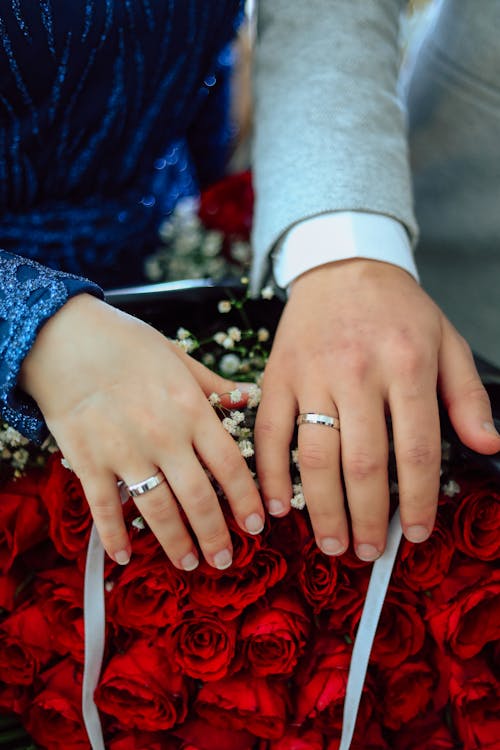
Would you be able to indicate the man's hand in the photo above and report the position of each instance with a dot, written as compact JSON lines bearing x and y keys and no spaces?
{"x":359,"y":339}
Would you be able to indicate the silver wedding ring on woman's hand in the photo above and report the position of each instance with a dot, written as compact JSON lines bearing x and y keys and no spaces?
{"x":140,"y":488}
{"x":311,"y":417}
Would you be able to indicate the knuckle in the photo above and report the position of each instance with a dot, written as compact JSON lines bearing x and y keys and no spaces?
{"x":354,"y":360}
{"x":421,"y":454}
{"x":265,"y":427}
{"x":361,"y":465}
{"x":314,"y":456}
{"x":202,"y":501}
{"x":157,"y":507}
{"x":215,"y":539}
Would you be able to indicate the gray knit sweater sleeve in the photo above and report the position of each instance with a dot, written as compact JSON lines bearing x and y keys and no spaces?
{"x":330,"y":131}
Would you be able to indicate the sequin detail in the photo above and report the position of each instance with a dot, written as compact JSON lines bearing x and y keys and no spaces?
{"x":108,"y":116}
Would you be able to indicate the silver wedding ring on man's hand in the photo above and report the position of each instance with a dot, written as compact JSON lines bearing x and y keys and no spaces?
{"x":311,"y":417}
{"x":140,"y":488}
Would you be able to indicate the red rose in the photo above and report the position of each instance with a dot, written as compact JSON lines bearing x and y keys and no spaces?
{"x":228,"y":205}
{"x":255,"y":704}
{"x":476,"y":525}
{"x":23,"y":520}
{"x":14,"y":698}
{"x":69,"y":513}
{"x":273,"y":634}
{"x":288,"y":536}
{"x":143,"y":741}
{"x":472,"y":618}
{"x":401,"y":631}
{"x":422,"y":566}
{"x":475,"y":704}
{"x":347,"y":607}
{"x":141,"y":689}
{"x":407,"y":692}
{"x":227,"y":593}
{"x":198,"y":735}
{"x":201,"y":645}
{"x":24,"y":645}
{"x":427,"y":733}
{"x":147,"y":594}
{"x":320,"y":686}
{"x":54,"y":719}
{"x":318,"y":576}
{"x":10,"y":584}
{"x":298,"y":739}
{"x":59,"y":595}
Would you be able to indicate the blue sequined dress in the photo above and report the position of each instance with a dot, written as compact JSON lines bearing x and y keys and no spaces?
{"x":110,"y":110}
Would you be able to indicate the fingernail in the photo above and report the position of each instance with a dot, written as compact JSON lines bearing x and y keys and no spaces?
{"x":417,"y":533}
{"x":331,"y":546}
{"x":275,"y":507}
{"x":223,"y":559}
{"x":367,"y":552}
{"x":490,"y":427}
{"x":190,"y":561}
{"x":254,"y":524}
{"x":122,"y":557}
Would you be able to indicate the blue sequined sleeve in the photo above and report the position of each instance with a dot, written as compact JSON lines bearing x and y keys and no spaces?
{"x":29,"y":295}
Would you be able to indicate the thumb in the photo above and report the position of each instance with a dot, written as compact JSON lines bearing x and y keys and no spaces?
{"x":463,"y":394}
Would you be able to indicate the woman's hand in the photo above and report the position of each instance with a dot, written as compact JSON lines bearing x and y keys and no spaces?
{"x":123,"y":402}
{"x":359,"y":338}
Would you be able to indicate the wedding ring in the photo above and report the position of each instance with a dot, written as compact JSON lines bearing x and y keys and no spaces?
{"x":311,"y":417}
{"x":147,"y":485}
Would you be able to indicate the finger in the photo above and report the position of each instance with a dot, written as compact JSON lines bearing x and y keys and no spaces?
{"x":463,"y":394}
{"x":159,"y":508}
{"x":274,"y":426}
{"x":223,"y":458}
{"x":103,"y":497}
{"x":192,"y":488}
{"x":417,"y":447}
{"x":365,"y":450}
{"x":319,"y":462}
{"x":210,"y":382}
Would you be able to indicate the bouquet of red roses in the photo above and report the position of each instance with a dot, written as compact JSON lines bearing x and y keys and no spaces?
{"x":255,"y":656}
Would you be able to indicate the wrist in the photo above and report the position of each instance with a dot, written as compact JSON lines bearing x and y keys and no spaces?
{"x":56,"y":335}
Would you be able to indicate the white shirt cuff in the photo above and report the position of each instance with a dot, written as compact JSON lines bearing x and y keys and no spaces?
{"x":338,"y":236}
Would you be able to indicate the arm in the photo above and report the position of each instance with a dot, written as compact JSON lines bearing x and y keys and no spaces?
{"x":358,"y":337}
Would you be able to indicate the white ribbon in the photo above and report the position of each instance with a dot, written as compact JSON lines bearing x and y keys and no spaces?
{"x":375,"y":597}
{"x":95,"y":629}
{"x":95,"y":623}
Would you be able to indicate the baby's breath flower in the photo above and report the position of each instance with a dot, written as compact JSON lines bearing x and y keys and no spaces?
{"x":219,"y":337}
{"x":229,"y":364}
{"x":295,"y":456}
{"x":228,"y":343}
{"x":235,"y":396}
{"x":254,"y":396}
{"x":224,"y":306}
{"x":66,"y":463}
{"x":183,"y":333}
{"x":187,"y":345}
{"x":208,"y":359}
{"x":240,"y":251}
{"x":230,"y":425}
{"x":153,"y":269}
{"x":451,"y":488}
{"x":263,"y":335}
{"x":234,"y":333}
{"x":214,"y":399}
{"x":267,"y":292}
{"x":298,"y":500}
{"x":237,"y":416}
{"x":138,"y":523}
{"x":109,"y":586}
{"x":20,"y":458}
{"x":246,"y":448}
{"x":211,"y":244}
{"x":13,"y":438}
